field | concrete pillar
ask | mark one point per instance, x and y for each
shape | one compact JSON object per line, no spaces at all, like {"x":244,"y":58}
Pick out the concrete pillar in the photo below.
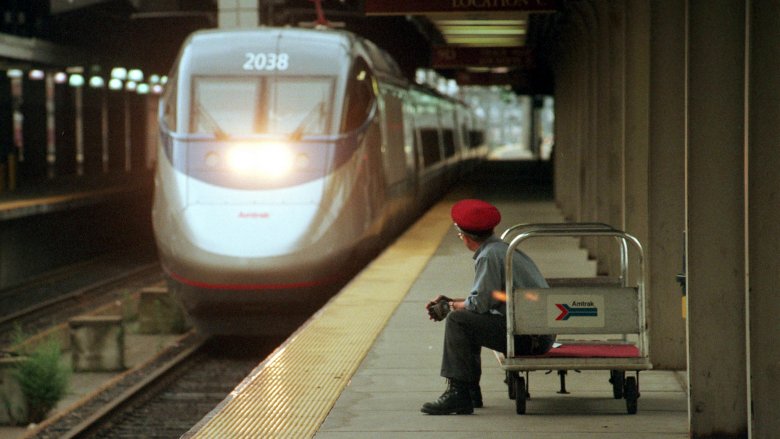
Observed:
{"x":238,"y":13}
{"x":567,"y":128}
{"x":97,"y":343}
{"x":604,"y":158}
{"x":637,"y":120}
{"x":152,"y":103}
{"x":582,"y":84}
{"x":593,"y":157}
{"x":589,"y":163}
{"x":635,"y":216}
{"x":158,"y":313}
{"x":614,"y":192}
{"x":665,"y":164}
{"x":763,"y":218}
{"x":602,"y":142}
{"x":715,"y":211}
{"x":573,"y":112}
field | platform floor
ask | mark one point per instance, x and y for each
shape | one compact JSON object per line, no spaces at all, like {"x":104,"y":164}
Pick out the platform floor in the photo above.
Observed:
{"x":400,"y":372}
{"x":365,"y":364}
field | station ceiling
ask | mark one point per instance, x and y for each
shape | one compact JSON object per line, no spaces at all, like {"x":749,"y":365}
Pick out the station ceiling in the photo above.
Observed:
{"x":485,"y":42}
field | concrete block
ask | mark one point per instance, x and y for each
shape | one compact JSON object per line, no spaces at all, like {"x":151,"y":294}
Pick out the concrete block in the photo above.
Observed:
{"x":13,"y":406}
{"x":159,"y":313}
{"x":97,"y":343}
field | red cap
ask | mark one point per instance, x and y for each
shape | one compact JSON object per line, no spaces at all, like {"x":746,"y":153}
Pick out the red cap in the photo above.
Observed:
{"x":475,"y":216}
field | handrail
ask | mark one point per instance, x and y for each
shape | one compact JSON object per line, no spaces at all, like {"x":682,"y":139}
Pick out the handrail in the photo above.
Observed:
{"x":578,"y":229}
{"x":557,"y":226}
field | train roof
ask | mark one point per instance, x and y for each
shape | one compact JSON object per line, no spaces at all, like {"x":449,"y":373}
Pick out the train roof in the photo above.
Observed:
{"x":325,"y":49}
{"x":320,"y":51}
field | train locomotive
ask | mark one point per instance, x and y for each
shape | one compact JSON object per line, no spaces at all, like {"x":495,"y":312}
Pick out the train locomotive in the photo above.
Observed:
{"x":287,"y":158}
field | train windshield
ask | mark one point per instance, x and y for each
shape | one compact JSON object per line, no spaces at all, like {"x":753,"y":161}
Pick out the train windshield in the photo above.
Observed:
{"x":240,"y":106}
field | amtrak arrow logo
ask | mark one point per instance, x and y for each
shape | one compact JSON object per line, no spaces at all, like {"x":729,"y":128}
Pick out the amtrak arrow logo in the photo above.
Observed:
{"x":576,"y":311}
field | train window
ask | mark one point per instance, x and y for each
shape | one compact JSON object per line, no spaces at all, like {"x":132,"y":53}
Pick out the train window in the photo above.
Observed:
{"x":429,"y":138}
{"x":447,"y":121}
{"x":476,"y":138}
{"x":360,"y":96}
{"x":300,"y":106}
{"x":448,"y":139}
{"x":284,"y":105}
{"x":169,"y":106}
{"x":393,"y":136}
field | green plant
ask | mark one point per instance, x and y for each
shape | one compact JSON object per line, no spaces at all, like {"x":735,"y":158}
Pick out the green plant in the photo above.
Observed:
{"x":43,"y":379}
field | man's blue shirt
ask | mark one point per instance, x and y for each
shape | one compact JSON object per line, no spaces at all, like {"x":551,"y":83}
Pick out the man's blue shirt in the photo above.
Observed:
{"x":489,"y":268}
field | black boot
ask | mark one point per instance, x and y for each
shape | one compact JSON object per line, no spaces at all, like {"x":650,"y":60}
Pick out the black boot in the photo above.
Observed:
{"x":475,"y":392}
{"x":456,"y":399}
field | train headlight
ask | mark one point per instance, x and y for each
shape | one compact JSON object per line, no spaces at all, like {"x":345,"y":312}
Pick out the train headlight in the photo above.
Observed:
{"x":272,"y":159}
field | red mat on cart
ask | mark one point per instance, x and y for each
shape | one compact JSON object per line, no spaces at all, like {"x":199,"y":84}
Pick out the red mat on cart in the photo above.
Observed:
{"x":593,"y":351}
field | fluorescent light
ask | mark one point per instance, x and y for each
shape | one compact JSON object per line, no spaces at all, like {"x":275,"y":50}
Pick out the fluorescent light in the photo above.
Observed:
{"x":97,"y":82}
{"x":76,"y":80}
{"x":36,"y":74}
{"x":119,"y":73}
{"x":487,"y":41}
{"x":135,"y":75}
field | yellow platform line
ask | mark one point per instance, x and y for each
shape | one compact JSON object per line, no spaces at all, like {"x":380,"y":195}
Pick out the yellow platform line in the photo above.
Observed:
{"x":292,"y":392}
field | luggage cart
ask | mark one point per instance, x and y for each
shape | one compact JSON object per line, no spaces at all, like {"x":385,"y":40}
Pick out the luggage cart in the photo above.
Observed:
{"x":576,"y":307}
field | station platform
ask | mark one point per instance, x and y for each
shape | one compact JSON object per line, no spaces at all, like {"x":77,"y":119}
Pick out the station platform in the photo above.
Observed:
{"x":367,"y":361}
{"x":69,"y":192}
{"x":49,"y":225}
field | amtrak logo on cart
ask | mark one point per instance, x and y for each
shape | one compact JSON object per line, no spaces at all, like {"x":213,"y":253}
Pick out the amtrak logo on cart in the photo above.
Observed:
{"x":575,"y":311}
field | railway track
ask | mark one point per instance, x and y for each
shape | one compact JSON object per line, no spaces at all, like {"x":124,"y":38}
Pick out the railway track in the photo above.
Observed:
{"x":52,"y":300}
{"x":166,"y":397}
{"x":162,"y":397}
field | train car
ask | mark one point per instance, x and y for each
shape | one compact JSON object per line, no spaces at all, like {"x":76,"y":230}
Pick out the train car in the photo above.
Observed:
{"x":287,"y":159}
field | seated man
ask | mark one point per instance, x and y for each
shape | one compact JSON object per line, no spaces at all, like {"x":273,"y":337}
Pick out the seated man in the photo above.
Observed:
{"x":480,"y":319}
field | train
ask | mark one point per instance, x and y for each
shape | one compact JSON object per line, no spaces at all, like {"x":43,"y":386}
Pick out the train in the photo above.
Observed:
{"x":287,"y":159}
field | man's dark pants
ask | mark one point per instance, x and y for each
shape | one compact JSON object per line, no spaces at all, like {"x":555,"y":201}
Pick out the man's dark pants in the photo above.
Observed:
{"x":467,"y":332}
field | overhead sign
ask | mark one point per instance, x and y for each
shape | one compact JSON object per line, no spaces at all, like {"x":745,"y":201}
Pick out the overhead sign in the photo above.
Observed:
{"x":412,"y":7}
{"x":60,"y":6}
{"x":485,"y":78}
{"x":515,"y":78}
{"x":445,"y":57}
{"x":521,"y":81}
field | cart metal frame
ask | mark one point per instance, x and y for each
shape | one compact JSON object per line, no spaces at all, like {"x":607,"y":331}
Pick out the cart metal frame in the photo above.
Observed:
{"x":592,"y":308}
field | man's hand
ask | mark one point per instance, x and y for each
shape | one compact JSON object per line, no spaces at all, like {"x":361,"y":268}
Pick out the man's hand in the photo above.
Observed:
{"x":436,"y":300}
{"x":438,"y":308}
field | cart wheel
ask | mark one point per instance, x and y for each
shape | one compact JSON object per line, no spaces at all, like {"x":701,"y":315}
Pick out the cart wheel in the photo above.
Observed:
{"x":520,"y":393}
{"x":631,"y":393}
{"x":617,"y":377}
{"x":510,"y":383}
